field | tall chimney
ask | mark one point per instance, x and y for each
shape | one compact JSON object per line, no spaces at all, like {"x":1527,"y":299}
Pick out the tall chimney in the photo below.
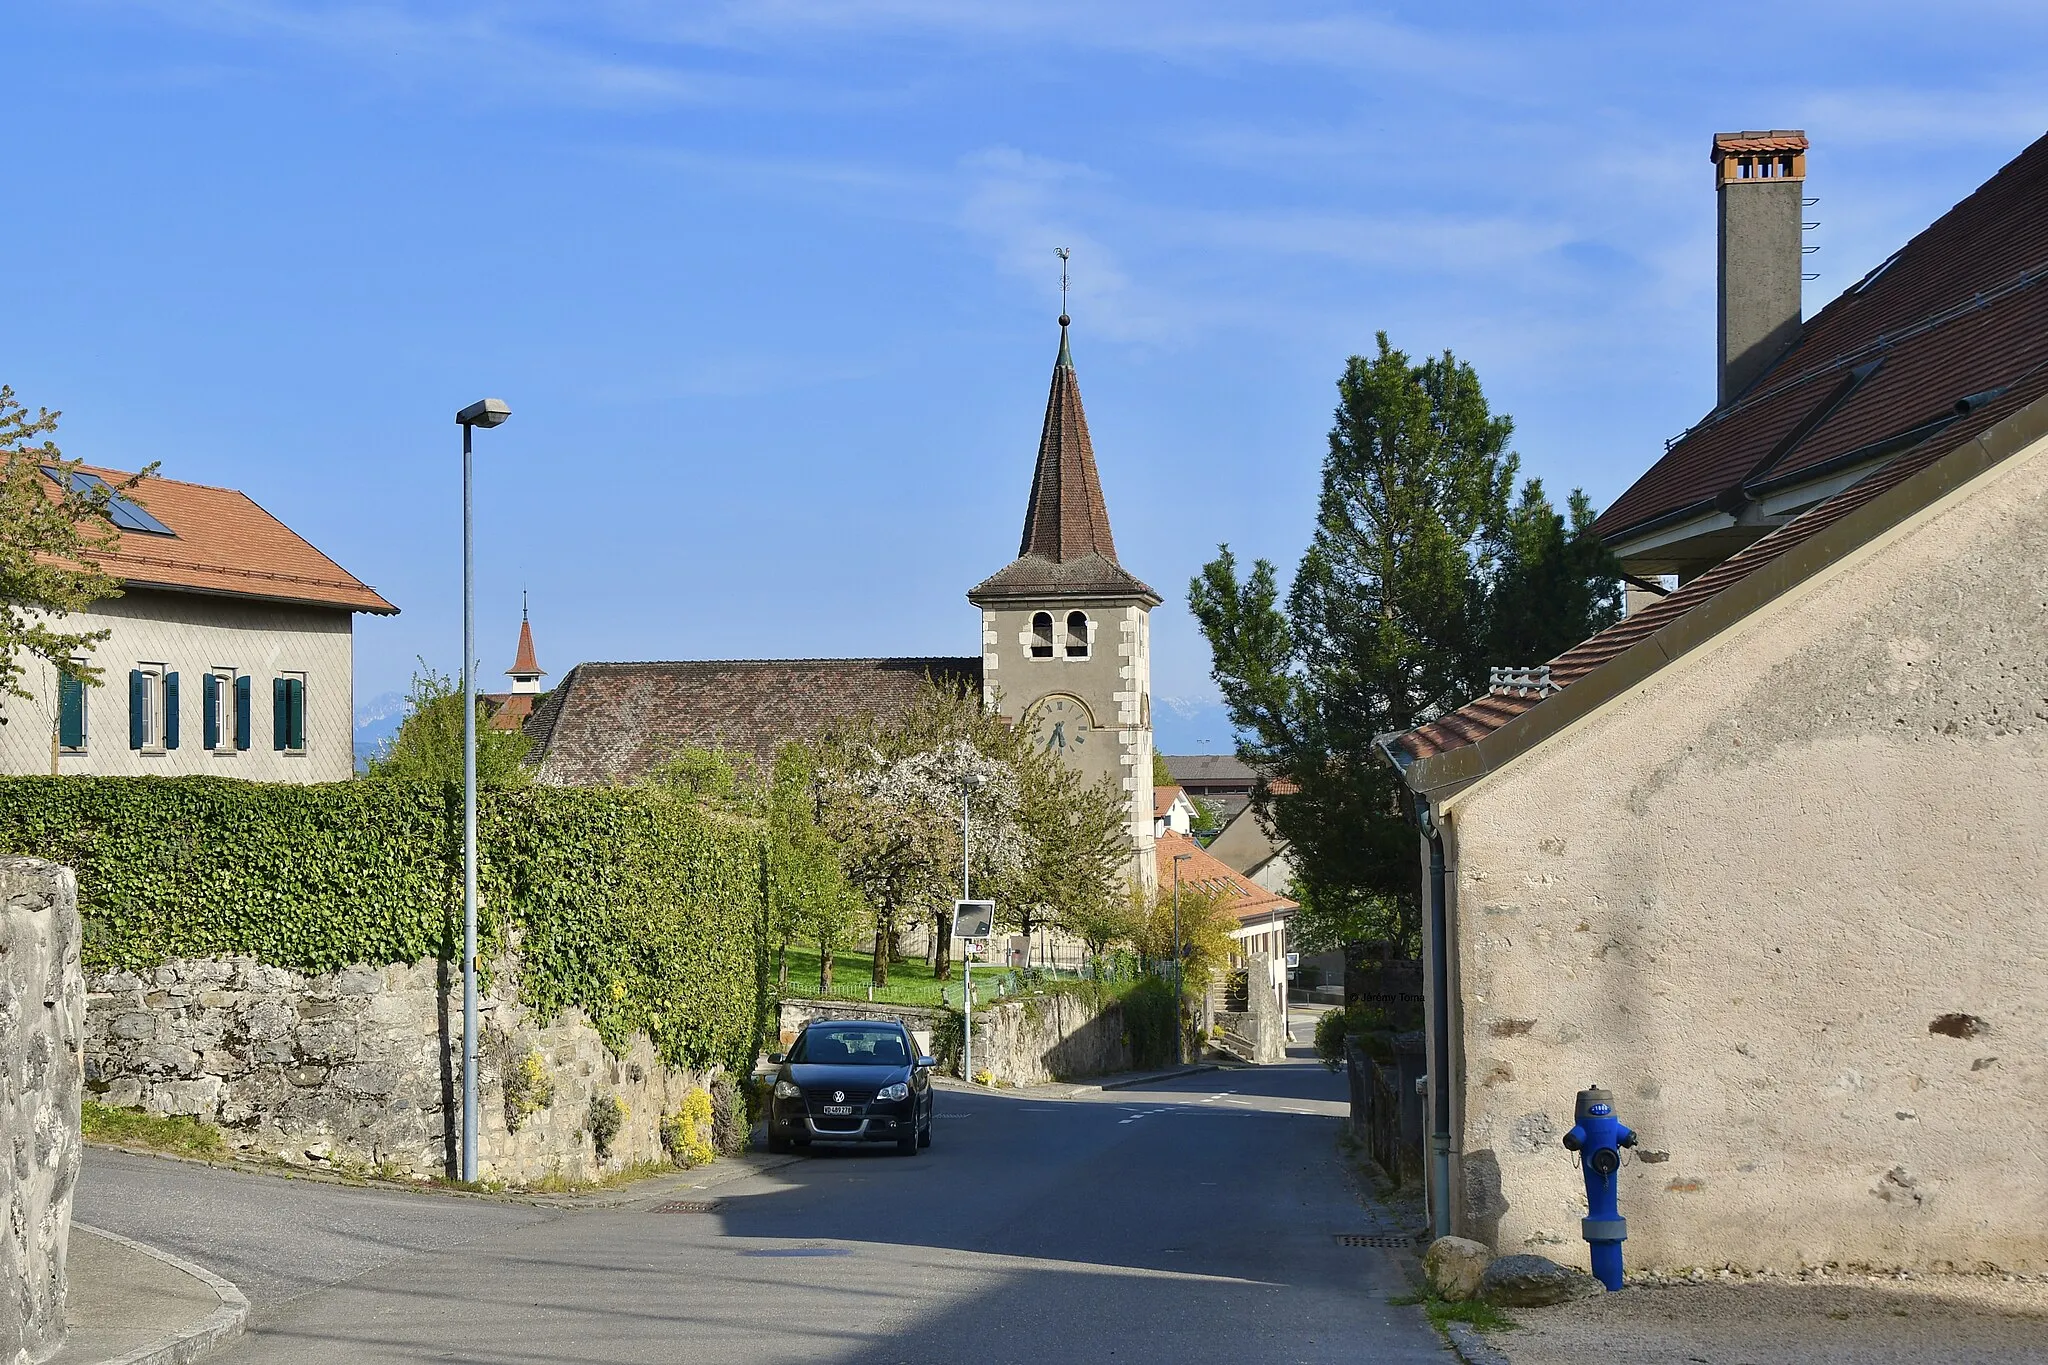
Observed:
{"x":1759,"y":178}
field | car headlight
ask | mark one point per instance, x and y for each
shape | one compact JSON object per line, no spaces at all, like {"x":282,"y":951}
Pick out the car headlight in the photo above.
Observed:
{"x":788,"y":1090}
{"x":898,"y":1091}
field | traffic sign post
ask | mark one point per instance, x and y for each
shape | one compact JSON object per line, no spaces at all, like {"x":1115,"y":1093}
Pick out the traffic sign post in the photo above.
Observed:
{"x":973,"y":922}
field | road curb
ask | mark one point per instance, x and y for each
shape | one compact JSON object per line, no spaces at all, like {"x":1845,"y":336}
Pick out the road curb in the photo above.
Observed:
{"x":224,"y":1323}
{"x":1154,"y":1079}
{"x":1471,"y":1347}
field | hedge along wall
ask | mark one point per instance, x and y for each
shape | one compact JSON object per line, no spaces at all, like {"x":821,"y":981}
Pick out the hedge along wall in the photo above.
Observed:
{"x":642,"y":911}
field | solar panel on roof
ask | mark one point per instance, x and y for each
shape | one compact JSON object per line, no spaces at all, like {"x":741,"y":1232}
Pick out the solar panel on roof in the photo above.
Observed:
{"x":125,"y":513}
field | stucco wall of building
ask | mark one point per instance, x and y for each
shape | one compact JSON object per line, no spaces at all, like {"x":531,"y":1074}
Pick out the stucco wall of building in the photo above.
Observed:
{"x":190,"y":633}
{"x":1788,"y":899}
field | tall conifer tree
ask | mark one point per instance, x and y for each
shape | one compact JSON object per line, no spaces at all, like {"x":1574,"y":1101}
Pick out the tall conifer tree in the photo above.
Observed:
{"x":1419,"y":573}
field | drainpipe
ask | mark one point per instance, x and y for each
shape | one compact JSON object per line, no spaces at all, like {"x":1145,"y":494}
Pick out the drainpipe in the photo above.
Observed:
{"x":1440,"y":1029}
{"x":1439,"y":1022}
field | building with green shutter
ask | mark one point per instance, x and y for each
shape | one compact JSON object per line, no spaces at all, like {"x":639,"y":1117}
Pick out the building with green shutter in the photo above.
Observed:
{"x":230,"y":651}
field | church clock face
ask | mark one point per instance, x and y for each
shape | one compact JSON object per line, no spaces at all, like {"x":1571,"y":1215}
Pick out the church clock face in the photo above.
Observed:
{"x":1061,"y":726}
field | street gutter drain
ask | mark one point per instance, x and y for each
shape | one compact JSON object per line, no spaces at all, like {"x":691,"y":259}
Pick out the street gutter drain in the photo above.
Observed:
{"x":1374,"y":1239}
{"x":689,"y":1206}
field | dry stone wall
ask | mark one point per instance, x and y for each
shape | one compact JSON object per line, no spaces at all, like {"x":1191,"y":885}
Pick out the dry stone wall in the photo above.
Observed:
{"x":42,"y":1019}
{"x":362,"y":1068}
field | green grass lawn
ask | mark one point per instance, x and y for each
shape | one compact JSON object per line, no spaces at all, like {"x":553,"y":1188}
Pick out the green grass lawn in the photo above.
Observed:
{"x":910,"y":983}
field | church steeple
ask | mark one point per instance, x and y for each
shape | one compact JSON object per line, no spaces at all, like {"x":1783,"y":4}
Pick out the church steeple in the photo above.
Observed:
{"x":1067,"y":548}
{"x":1066,"y":517}
{"x":1066,"y":634}
{"x":525,"y":671}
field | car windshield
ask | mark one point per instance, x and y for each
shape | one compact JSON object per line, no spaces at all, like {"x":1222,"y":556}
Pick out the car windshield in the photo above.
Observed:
{"x":843,"y":1045}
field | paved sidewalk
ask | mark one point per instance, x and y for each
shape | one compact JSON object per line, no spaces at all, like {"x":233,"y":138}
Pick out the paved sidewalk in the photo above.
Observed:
{"x":134,"y":1304}
{"x":1837,"y":1320}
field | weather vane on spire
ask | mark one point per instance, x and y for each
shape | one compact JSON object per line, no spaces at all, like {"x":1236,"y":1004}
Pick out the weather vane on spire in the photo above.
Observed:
{"x":1062,"y":253}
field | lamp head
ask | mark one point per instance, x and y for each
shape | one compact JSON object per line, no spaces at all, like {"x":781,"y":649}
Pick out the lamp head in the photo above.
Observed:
{"x":974,"y":782}
{"x":485,"y":412}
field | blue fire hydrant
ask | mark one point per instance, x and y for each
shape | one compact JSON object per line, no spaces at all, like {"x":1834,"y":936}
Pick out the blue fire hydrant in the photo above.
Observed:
{"x":1599,"y":1137}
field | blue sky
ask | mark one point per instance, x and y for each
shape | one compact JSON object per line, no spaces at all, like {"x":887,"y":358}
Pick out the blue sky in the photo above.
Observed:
{"x":770,"y":287}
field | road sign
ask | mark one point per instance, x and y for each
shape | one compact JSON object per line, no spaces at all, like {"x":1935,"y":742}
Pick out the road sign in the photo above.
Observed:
{"x":1293,"y":960}
{"x":974,"y":919}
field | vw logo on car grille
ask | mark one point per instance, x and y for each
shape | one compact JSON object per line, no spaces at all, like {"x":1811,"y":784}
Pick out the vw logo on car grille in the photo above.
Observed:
{"x":839,"y":1097}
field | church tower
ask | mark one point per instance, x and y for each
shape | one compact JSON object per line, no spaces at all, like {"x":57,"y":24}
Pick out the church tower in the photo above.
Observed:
{"x":1066,"y":632}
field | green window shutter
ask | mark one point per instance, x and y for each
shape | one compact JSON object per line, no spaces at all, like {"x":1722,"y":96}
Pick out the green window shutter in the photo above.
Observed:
{"x":170,"y":710}
{"x":296,"y":692}
{"x":280,"y":713}
{"x":138,"y":707}
{"x":242,"y":709}
{"x":209,"y":712}
{"x":70,"y":712}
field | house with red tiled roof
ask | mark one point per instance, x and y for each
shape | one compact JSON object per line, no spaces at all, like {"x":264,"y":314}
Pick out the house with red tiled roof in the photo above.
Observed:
{"x":1765,"y":857}
{"x":230,"y":650}
{"x":1261,"y":915}
{"x":1171,"y":810}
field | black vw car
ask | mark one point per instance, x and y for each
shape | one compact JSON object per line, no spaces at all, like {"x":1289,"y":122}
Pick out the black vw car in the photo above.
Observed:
{"x":851,"y":1080}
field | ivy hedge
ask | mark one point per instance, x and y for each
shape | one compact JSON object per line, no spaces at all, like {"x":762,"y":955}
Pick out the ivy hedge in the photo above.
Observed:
{"x":642,"y":910}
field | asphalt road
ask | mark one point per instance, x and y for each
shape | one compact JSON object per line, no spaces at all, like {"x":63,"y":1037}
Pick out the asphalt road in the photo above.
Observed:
{"x":1191,"y":1220}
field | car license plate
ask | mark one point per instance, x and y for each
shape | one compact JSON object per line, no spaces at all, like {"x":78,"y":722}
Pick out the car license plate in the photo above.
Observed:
{"x":835,"y":1109}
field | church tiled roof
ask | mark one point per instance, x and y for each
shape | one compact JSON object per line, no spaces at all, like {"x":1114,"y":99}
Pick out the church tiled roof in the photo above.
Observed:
{"x":615,"y":722}
{"x":1067,"y":549}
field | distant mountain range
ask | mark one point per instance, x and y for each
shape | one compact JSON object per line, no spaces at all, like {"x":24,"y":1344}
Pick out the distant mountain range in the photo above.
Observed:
{"x":377,"y":719}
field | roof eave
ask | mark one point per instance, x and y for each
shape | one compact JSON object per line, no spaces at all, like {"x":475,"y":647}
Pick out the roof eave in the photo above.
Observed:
{"x":1440,"y":776}
{"x":382,"y":608}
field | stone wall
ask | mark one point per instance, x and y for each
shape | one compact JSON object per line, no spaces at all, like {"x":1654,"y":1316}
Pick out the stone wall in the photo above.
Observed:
{"x":1049,"y":1038}
{"x":42,"y":1022}
{"x":1017,"y":1042}
{"x":362,"y":1068}
{"x":926,"y":1025}
{"x":1787,"y":899}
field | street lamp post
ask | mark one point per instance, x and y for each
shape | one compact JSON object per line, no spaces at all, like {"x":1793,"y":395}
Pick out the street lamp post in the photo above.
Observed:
{"x":485,"y":412}
{"x":1179,"y":1030}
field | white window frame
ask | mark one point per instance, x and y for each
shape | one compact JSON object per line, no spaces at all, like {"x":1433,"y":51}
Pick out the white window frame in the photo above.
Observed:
{"x":1063,"y":631}
{"x":1051,"y":644}
{"x":224,"y":709}
{"x":152,"y":707}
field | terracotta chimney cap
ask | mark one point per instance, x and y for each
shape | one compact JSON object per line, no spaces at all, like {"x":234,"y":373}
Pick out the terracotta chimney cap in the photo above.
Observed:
{"x":1772,"y":140}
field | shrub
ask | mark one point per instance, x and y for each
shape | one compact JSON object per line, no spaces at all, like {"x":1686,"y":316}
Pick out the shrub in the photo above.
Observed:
{"x":1150,"y":1017}
{"x":529,"y":1088}
{"x":606,"y":1117}
{"x":686,"y":1135}
{"x":1353,"y":1021}
{"x":732,"y":1128}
